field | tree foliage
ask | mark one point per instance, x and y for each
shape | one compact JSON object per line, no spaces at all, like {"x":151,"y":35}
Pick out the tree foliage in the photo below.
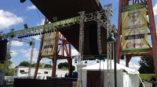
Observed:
{"x":65,"y":65}
{"x":48,"y":66}
{"x":27,"y":64}
{"x":9,"y":69}
{"x":24,"y":63}
{"x":146,"y":64}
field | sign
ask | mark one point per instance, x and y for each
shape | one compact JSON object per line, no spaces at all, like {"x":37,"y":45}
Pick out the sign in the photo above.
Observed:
{"x":134,"y":30}
{"x":47,"y":27}
{"x":47,"y":49}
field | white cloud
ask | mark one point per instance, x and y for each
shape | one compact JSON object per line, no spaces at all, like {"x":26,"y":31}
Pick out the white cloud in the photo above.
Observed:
{"x":8,"y":19}
{"x":155,"y":9}
{"x":28,"y":54}
{"x":32,"y":7}
{"x":41,"y":22}
{"x":17,"y":43}
{"x":136,"y":58}
{"x":38,"y":37}
{"x":13,"y":53}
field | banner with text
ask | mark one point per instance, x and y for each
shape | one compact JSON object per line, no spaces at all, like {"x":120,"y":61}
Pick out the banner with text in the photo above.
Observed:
{"x":134,"y":31}
{"x":49,"y":40}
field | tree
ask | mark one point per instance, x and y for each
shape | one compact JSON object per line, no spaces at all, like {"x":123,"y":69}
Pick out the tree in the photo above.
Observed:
{"x":65,"y":65}
{"x":27,"y":64}
{"x":9,"y":69}
{"x":40,"y":65}
{"x":24,"y":63}
{"x":47,"y":66}
{"x":146,"y":64}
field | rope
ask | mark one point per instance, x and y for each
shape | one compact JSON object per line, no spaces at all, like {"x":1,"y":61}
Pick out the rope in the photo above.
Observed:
{"x":141,"y":80}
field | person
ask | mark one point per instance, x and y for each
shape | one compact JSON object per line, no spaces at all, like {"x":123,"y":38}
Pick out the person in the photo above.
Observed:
{"x":66,"y":76}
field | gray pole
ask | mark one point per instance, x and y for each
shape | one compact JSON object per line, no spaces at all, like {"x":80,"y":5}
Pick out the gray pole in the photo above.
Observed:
{"x":31,"y":57}
{"x":99,"y":24}
{"x":81,"y":46}
{"x":115,"y":66}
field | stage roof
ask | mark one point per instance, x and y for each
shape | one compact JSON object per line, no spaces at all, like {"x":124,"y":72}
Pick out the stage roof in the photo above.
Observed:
{"x":63,"y":9}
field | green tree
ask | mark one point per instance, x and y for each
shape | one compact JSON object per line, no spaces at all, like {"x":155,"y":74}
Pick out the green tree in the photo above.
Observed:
{"x":27,"y":64}
{"x":65,"y":65}
{"x":10,"y":72}
{"x":35,"y":64}
{"x":146,"y":64}
{"x":24,"y":63}
{"x":47,"y":66}
{"x":9,"y":69}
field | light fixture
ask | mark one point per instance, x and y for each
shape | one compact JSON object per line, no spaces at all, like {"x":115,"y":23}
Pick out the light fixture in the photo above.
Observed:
{"x":111,"y":37}
{"x":22,"y":1}
{"x":25,"y":26}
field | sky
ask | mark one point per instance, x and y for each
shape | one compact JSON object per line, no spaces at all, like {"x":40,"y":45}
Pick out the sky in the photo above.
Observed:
{"x":14,"y":14}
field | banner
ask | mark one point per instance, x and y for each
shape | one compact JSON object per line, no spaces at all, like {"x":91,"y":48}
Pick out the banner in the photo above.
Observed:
{"x":134,"y":30}
{"x":46,"y":26}
{"x":49,"y":40}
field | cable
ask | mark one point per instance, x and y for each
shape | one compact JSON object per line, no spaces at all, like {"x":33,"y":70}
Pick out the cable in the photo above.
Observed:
{"x":141,"y":80}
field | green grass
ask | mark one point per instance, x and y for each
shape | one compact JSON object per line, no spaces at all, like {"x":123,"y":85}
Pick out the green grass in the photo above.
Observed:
{"x":146,"y":76}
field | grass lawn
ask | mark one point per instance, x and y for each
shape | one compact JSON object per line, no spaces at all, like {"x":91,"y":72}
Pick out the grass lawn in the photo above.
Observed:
{"x":146,"y":76}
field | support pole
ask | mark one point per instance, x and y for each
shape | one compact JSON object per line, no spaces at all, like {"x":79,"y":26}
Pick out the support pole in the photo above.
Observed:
{"x":54,"y":59}
{"x":70,"y":60}
{"x":99,"y":23}
{"x":31,"y":57}
{"x":115,"y":66}
{"x":39,"y":54}
{"x":81,"y":47}
{"x":37,"y":67}
{"x":118,"y":50}
{"x":54,"y":67}
{"x":70,"y":66}
{"x":128,"y":58}
{"x":153,"y":34}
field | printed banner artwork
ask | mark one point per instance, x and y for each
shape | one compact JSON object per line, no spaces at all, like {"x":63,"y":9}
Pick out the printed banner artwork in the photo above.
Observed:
{"x":46,"y":26}
{"x":49,"y":40}
{"x":134,"y":30}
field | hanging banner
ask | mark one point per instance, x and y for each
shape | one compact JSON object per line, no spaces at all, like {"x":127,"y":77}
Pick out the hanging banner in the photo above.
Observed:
{"x":46,"y":26}
{"x":49,"y":40}
{"x":134,"y":30}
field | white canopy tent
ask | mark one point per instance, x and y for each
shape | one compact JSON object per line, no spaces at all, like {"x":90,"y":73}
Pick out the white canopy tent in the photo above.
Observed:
{"x":126,"y":77}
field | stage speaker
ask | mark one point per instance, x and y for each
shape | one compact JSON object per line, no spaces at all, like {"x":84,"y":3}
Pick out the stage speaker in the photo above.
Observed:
{"x":95,"y":44}
{"x":3,"y":50}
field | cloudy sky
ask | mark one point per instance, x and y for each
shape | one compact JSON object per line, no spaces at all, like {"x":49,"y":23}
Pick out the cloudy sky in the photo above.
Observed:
{"x":13,"y":15}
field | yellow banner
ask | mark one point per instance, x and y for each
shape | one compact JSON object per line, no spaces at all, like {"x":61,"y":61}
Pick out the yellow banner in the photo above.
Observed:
{"x":134,"y":32}
{"x":49,"y":40}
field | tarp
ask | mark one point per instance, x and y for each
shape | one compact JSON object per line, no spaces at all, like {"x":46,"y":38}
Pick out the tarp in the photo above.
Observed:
{"x":126,"y":77}
{"x":105,"y":65}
